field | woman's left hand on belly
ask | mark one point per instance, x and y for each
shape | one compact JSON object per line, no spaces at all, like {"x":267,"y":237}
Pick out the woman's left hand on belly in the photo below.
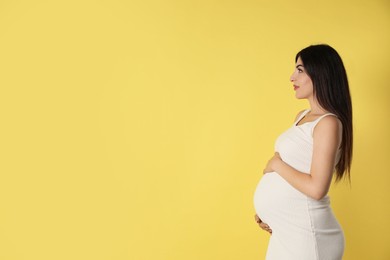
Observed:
{"x":270,"y":165}
{"x":263,"y":225}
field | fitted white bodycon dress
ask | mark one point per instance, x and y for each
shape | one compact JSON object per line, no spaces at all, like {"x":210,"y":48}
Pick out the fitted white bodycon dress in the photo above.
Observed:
{"x":302,"y":228}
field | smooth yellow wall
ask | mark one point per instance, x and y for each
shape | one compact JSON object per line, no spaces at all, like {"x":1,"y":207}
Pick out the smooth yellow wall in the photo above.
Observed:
{"x":139,"y":129}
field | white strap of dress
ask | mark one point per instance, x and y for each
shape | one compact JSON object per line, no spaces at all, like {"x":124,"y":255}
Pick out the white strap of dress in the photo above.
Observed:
{"x":301,"y":116}
{"x":319,"y":119}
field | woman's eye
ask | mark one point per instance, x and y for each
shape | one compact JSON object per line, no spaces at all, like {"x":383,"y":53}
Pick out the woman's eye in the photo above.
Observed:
{"x":300,"y":71}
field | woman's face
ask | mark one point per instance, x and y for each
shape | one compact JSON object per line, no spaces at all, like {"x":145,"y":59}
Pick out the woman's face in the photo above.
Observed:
{"x":303,"y":86}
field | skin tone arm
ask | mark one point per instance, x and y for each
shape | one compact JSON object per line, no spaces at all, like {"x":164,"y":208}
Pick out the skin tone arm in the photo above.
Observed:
{"x":326,"y":140}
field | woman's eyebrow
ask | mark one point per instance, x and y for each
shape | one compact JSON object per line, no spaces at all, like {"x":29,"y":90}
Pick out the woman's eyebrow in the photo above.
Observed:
{"x":299,"y":66}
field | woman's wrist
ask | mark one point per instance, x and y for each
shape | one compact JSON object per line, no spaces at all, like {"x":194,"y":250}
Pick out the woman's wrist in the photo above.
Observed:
{"x":278,"y":164}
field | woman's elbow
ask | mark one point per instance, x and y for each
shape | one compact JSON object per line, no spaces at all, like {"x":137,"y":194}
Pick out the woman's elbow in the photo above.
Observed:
{"x":318,"y":188}
{"x":318,"y":195}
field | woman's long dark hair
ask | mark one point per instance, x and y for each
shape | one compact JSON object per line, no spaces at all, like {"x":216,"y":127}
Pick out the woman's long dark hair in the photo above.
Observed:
{"x":330,"y":86}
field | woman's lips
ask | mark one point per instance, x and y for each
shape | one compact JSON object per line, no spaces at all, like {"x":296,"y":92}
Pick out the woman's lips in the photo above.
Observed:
{"x":295,"y":87}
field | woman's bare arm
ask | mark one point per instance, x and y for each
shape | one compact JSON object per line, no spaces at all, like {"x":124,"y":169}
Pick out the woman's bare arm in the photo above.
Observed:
{"x":326,"y":141}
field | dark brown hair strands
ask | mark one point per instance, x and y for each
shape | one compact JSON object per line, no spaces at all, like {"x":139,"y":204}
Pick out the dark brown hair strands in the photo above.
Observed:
{"x":330,"y":86}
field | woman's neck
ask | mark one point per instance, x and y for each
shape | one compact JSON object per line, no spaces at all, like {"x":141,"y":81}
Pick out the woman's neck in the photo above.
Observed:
{"x":315,"y":108}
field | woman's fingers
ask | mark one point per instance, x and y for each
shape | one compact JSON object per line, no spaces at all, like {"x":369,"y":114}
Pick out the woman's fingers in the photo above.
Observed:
{"x":262,"y":225}
{"x":265,"y":227}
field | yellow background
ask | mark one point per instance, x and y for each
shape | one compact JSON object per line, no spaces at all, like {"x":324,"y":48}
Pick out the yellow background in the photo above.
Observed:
{"x":139,"y":129}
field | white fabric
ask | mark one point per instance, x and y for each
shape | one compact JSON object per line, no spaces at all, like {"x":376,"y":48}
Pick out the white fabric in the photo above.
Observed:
{"x":302,"y":228}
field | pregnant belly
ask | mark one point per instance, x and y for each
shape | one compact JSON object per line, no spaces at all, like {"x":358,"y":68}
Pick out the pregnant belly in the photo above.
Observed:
{"x":294,"y":219}
{"x":277,"y":202}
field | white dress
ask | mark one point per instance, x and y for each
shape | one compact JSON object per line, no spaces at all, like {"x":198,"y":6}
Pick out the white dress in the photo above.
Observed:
{"x":302,"y":228}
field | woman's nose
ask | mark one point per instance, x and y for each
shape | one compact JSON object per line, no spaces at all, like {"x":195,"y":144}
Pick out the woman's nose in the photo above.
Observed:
{"x":292,"y":78}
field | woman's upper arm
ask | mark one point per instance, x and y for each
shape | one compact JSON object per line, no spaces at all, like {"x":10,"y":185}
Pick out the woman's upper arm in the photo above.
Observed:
{"x":326,"y":141}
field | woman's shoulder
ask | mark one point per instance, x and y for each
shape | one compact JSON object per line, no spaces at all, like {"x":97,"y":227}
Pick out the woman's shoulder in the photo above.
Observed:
{"x":328,"y":123}
{"x":328,"y":120}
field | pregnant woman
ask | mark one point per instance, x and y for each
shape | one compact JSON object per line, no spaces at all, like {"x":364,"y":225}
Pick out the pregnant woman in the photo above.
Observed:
{"x":291,"y":199}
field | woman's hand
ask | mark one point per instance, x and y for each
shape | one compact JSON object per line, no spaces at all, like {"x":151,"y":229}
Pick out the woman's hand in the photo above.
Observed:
{"x":270,"y":167}
{"x":262,"y":225}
